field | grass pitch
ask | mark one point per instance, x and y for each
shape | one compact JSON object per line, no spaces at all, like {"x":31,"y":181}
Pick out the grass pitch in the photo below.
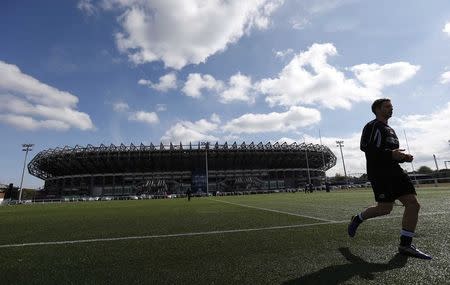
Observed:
{"x":293,"y":238}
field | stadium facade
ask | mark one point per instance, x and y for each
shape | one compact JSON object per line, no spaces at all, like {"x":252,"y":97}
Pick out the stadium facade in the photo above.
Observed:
{"x":170,"y":169}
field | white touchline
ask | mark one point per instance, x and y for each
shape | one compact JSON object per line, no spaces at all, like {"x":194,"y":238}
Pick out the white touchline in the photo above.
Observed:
{"x":275,"y":211}
{"x":163,"y":236}
{"x":200,"y":233}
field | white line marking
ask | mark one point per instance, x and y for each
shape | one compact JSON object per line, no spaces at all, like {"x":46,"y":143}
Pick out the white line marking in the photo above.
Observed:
{"x":162,"y":236}
{"x":275,"y":211}
{"x":200,"y":233}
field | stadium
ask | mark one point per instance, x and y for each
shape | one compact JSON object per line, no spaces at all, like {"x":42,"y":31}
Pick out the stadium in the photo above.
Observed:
{"x":202,"y":168}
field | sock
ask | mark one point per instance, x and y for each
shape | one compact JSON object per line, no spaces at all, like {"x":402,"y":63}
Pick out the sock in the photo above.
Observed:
{"x":406,"y":237}
{"x":358,"y":218}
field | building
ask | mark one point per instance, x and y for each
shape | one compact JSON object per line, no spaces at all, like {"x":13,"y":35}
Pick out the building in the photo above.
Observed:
{"x":148,"y":169}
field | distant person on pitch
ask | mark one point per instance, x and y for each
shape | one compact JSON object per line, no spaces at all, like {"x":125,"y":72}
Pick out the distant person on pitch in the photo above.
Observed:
{"x":188,"y":194}
{"x":389,"y":182}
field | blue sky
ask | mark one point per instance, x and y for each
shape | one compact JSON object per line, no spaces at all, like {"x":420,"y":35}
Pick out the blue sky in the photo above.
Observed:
{"x":131,"y":71}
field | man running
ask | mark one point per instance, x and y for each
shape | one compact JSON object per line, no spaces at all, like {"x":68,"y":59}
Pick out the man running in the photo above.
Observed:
{"x":389,"y":182}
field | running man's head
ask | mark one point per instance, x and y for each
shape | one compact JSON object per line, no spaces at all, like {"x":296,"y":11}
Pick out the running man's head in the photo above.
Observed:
{"x":382,"y":108}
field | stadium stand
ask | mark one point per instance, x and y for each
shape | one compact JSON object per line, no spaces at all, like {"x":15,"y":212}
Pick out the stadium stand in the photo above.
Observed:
{"x":99,"y":171}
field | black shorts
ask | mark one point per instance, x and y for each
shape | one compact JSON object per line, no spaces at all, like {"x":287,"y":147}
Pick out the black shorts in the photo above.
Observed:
{"x":389,"y":188}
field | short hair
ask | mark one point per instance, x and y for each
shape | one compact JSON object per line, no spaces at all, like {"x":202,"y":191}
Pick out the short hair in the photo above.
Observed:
{"x":377,"y":104}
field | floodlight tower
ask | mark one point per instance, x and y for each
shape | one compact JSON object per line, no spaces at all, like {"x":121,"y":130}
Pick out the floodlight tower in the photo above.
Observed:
{"x":25,"y":147}
{"x":340,"y":144}
{"x":435,"y":162}
{"x":323,"y":158}
{"x":445,"y":162}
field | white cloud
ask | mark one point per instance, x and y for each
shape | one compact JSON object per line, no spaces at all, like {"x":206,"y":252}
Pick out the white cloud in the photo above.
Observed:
{"x":186,"y":131}
{"x":87,"y":7}
{"x":230,"y":138}
{"x":145,"y":82}
{"x":139,"y":116}
{"x":355,"y":161}
{"x":239,"y":89}
{"x":215,"y":118}
{"x":120,"y":107}
{"x":166,"y":82}
{"x":284,"y":139}
{"x":377,"y":77}
{"x":145,"y":117}
{"x":184,"y":32}
{"x":427,"y":134}
{"x":447,"y":28}
{"x":294,"y":118}
{"x":354,"y":158}
{"x":299,"y":24}
{"x":322,"y":6}
{"x":283,"y":53}
{"x":445,"y":77}
{"x":309,"y":79}
{"x":307,"y":10}
{"x":70,"y":117}
{"x":14,"y":81}
{"x":28,"y":123}
{"x":196,"y":82}
{"x":36,"y":105}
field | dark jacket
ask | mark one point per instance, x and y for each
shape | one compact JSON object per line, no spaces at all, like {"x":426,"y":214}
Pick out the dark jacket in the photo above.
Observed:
{"x":377,"y":142}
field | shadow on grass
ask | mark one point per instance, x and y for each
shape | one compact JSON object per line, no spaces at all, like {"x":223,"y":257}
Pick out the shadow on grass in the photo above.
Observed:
{"x":338,"y":274}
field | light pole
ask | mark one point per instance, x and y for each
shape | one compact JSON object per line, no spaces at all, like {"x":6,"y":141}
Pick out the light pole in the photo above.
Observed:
{"x":340,"y":144}
{"x":323,"y":159}
{"x":412,"y":164}
{"x":445,"y":162}
{"x":26,"y":148}
{"x":437,"y":171}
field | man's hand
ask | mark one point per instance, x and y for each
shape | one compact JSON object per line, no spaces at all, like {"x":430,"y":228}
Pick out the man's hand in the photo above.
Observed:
{"x":398,"y":155}
{"x":408,"y":158}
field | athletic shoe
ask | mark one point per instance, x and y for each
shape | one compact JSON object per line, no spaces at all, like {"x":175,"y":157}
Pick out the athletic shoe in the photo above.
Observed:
{"x":413,"y":251}
{"x":354,"y":223}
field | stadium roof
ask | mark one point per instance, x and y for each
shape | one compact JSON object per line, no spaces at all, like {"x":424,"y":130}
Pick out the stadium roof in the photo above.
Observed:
{"x":90,"y":159}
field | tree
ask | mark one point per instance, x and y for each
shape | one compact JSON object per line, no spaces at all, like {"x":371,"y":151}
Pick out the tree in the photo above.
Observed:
{"x":424,"y":170}
{"x":338,"y":177}
{"x":364,"y":177}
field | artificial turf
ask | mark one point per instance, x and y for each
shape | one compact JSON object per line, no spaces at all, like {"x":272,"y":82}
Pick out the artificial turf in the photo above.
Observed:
{"x":262,"y":253}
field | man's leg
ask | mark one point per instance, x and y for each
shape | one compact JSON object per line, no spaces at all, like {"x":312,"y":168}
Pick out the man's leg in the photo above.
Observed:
{"x":381,"y":209}
{"x":409,"y":222}
{"x":411,"y":213}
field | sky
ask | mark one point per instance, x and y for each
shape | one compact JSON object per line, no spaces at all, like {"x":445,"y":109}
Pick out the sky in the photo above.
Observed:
{"x":133,"y":71}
